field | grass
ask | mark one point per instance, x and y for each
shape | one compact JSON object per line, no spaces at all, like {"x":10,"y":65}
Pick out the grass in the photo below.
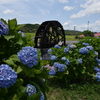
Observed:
{"x":89,"y":91}
{"x":68,"y":37}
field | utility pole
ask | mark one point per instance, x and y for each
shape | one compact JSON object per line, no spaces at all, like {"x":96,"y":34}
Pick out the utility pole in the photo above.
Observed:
{"x":88,"y":26}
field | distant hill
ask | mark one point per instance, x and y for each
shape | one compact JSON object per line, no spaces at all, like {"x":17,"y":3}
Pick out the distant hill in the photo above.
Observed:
{"x":32,"y":28}
{"x":28,"y":28}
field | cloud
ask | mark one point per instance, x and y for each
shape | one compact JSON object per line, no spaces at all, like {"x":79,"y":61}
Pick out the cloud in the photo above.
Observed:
{"x":63,"y":1}
{"x":68,"y":8}
{"x":44,"y":11}
{"x":8,"y":11}
{"x":90,"y":7}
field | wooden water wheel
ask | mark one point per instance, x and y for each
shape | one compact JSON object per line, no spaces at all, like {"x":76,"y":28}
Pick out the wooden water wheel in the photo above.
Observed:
{"x":48,"y":34}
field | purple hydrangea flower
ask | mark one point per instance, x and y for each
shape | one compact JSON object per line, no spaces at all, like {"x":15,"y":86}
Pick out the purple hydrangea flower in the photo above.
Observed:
{"x":86,"y":44}
{"x":67,"y":62}
{"x":3,"y":28}
{"x":30,"y":90}
{"x":7,"y":76}
{"x":28,"y":56}
{"x":66,"y":50}
{"x":63,"y":58}
{"x":89,"y":47}
{"x":57,"y":46}
{"x":42,"y":96}
{"x":53,"y":58}
{"x":83,"y":50}
{"x":52,"y":71}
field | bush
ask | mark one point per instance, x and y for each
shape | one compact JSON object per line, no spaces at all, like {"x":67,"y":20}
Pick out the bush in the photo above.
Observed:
{"x":74,"y":62}
{"x":21,"y":74}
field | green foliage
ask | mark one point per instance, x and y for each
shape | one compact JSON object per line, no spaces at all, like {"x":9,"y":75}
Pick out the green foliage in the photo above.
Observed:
{"x":13,"y":42}
{"x":87,"y":33}
{"x":10,"y":45}
{"x":75,"y":71}
{"x":28,"y":28}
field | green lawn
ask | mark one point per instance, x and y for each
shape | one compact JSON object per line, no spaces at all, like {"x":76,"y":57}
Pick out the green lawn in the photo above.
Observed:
{"x":89,"y":91}
{"x":68,"y":37}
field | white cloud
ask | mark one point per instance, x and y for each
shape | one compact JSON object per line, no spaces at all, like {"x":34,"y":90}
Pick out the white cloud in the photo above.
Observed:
{"x":63,"y":1}
{"x":90,"y":7}
{"x":8,"y":11}
{"x":44,"y":11}
{"x":68,"y":8}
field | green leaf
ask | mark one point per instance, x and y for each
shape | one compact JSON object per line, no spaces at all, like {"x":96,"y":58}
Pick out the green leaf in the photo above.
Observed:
{"x":12,"y":24}
{"x":10,"y":62}
{"x":8,"y":37}
{"x":20,"y":41}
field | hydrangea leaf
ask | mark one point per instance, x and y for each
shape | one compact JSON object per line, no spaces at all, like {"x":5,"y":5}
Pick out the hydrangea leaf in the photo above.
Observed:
{"x":9,"y":37}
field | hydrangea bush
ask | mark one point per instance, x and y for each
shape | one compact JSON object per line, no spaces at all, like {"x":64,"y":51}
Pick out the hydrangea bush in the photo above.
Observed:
{"x":74,"y":62}
{"x":21,"y":74}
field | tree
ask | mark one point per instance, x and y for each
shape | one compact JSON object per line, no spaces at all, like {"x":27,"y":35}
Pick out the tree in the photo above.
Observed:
{"x":87,"y":33}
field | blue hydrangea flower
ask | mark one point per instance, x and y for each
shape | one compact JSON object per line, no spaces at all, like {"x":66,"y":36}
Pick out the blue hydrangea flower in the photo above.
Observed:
{"x":42,"y":96}
{"x":49,"y":50}
{"x":3,"y":28}
{"x":97,"y":76}
{"x":96,"y":53}
{"x":52,"y":71}
{"x":79,"y":61}
{"x":53,"y":58}
{"x":68,"y":46}
{"x":7,"y":76}
{"x":57,"y":46}
{"x":22,"y":33}
{"x":98,"y":60}
{"x":89,"y":47}
{"x":56,"y":64}
{"x":83,"y":50}
{"x":97,"y":69}
{"x":85,"y":43}
{"x":28,"y":56}
{"x":61,"y":67}
{"x":67,"y":62}
{"x":30,"y":90}
{"x":63,"y":58}
{"x":66,"y":50}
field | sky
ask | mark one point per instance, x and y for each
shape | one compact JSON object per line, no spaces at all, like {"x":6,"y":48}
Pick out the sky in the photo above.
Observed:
{"x":72,"y":14}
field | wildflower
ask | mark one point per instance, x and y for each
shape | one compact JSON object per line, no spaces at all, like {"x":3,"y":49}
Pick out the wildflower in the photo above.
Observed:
{"x":42,"y":96}
{"x":7,"y":76}
{"x":53,"y":58}
{"x":79,"y":61}
{"x":67,"y":62}
{"x":63,"y":58}
{"x":85,"y":43}
{"x":89,"y":47}
{"x":52,"y":71}
{"x":28,"y":56}
{"x":83,"y":50}
{"x":57,"y":46}
{"x":66,"y":50}
{"x":30,"y":90}
{"x":3,"y":28}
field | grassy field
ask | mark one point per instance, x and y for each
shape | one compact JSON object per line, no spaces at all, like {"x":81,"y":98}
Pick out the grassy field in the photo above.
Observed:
{"x":89,"y":91}
{"x":68,"y":37}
